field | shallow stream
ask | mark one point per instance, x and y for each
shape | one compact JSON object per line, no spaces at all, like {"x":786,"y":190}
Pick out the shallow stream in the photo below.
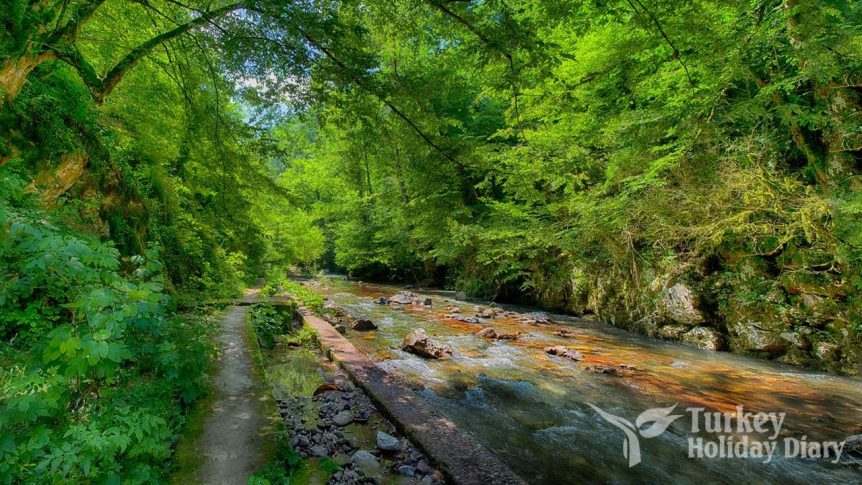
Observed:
{"x":534,"y":411}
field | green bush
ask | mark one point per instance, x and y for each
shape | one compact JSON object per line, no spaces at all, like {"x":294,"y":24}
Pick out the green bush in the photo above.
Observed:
{"x":95,"y":371}
{"x":271,"y":321}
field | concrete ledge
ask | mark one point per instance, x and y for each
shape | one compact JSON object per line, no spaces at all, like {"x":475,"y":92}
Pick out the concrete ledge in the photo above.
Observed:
{"x":462,"y":459}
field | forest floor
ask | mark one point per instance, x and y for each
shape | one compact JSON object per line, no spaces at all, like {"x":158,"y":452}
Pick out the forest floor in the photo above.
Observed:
{"x":235,"y":438}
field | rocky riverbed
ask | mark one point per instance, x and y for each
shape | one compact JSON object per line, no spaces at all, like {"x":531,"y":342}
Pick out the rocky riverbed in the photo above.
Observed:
{"x":529,"y":398}
{"x":328,"y":418}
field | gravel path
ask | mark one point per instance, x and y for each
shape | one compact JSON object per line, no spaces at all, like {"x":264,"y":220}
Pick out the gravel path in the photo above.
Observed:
{"x":232,"y":442}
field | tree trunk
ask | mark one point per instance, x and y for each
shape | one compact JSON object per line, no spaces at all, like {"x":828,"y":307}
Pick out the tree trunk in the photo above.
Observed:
{"x":14,"y":72}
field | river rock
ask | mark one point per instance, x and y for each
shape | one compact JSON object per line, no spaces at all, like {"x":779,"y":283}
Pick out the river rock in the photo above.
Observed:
{"x":417,"y":342}
{"x":826,"y":351}
{"x":535,"y":318}
{"x":343,"y":418}
{"x":704,"y":338}
{"x":679,"y":304}
{"x":491,"y":333}
{"x":672,"y":332}
{"x":382,"y":301}
{"x":564,"y":352}
{"x":387,"y":442}
{"x":461,"y":318}
{"x":428,"y":302}
{"x":366,"y":462}
{"x":341,"y":329}
{"x":318,"y":451}
{"x":453,"y":309}
{"x":796,"y":339}
{"x":487,"y":313}
{"x":406,"y":470}
{"x":565,"y":333}
{"x":852,"y":453}
{"x":621,"y":370}
{"x":752,"y":336}
{"x":403,"y":298}
{"x":363,"y":325}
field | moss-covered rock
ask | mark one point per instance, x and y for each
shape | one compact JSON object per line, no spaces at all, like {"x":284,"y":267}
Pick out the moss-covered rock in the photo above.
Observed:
{"x":704,"y":338}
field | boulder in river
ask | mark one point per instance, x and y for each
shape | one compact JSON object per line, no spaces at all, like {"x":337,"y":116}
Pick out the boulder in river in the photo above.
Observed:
{"x":565,"y":333}
{"x":417,"y":342}
{"x":565,"y":352}
{"x":852,"y":454}
{"x":363,"y":325}
{"x":428,"y":301}
{"x":382,"y":301}
{"x":341,"y":329}
{"x":491,"y":333}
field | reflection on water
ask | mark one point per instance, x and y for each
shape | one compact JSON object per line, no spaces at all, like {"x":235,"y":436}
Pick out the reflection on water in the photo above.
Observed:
{"x":531,"y":408}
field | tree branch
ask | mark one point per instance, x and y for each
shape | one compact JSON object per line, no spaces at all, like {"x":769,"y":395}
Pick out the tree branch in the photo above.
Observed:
{"x":101,"y":87}
{"x":359,"y":82}
{"x":654,"y":19}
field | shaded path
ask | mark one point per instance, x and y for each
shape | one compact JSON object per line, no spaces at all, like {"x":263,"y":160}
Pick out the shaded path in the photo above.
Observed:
{"x":232,"y":444}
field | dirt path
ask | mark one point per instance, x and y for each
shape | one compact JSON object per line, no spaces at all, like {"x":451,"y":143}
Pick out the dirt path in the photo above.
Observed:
{"x":233,"y":440}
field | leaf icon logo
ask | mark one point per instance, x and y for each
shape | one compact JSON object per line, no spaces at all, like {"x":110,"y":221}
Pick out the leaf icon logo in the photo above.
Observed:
{"x":649,"y":424}
{"x":660,"y":419}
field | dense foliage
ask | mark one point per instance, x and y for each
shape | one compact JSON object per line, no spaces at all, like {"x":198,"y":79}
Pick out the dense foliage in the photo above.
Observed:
{"x":119,"y":205}
{"x":95,"y":370}
{"x":591,"y":156}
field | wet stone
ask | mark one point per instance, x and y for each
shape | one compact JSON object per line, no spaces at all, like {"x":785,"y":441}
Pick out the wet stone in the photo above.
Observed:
{"x":564,"y":352}
{"x":387,"y":442}
{"x":319,"y":451}
{"x":366,"y":462}
{"x":343,"y":418}
{"x":363,"y":325}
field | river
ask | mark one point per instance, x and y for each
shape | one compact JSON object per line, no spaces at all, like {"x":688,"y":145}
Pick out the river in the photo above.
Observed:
{"x":536,"y":411}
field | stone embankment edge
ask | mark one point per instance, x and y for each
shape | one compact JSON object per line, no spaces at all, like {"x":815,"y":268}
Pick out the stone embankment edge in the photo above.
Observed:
{"x":459,"y":455}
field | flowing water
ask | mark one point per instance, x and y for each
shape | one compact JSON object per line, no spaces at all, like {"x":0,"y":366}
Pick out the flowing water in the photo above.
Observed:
{"x":534,"y":409}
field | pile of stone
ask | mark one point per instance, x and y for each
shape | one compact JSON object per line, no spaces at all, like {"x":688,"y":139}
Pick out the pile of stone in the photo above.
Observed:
{"x":325,"y":433}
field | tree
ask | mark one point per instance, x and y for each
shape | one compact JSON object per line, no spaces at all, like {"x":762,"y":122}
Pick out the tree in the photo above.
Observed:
{"x":46,"y":31}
